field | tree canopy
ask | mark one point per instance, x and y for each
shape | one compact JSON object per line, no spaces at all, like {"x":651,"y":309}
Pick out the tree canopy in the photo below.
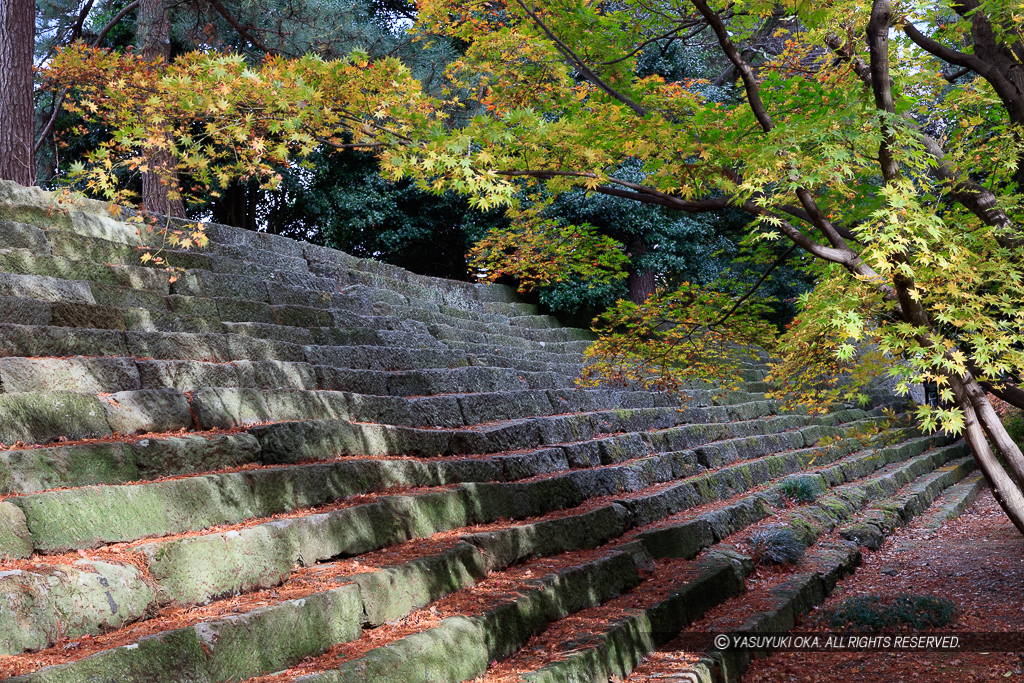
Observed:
{"x":881,"y":143}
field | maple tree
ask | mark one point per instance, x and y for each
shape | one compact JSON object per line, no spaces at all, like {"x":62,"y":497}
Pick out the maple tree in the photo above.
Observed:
{"x":882,"y":142}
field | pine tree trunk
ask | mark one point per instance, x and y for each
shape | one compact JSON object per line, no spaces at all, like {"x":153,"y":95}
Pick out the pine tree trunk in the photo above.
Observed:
{"x":17,"y":108}
{"x":159,"y":185}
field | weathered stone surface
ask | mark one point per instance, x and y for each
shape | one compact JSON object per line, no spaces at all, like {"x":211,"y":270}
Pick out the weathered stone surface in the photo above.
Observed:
{"x":80,"y":375}
{"x":38,"y":340}
{"x":293,"y":335}
{"x":126,"y":297}
{"x":187,"y":375}
{"x":167,"y":656}
{"x":192,"y":453}
{"x":25,"y":311}
{"x":45,"y":288}
{"x":295,"y":404}
{"x":35,"y":469}
{"x":178,"y":346}
{"x":272,"y":638}
{"x":92,"y":516}
{"x":308,"y":440}
{"x":22,"y":236}
{"x":15,"y":540}
{"x":240,"y":310}
{"x":147,"y":410}
{"x":71,"y":601}
{"x":42,"y":418}
{"x":578,"y":532}
{"x":394,"y":592}
{"x":93,"y":316}
{"x":227,"y":408}
{"x":681,"y":540}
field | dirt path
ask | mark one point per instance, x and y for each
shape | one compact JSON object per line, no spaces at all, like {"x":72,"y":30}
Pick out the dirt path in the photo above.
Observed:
{"x":977,"y":561}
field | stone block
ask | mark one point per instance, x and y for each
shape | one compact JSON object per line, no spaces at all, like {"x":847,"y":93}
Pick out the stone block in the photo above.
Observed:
{"x":193,"y":570}
{"x":296,"y":404}
{"x":15,"y":539}
{"x":71,"y":314}
{"x":42,"y":418}
{"x":292,"y":335}
{"x":45,"y":288}
{"x":178,"y":346}
{"x":242,"y":310}
{"x":272,"y":638}
{"x":186,"y":375}
{"x":191,"y":453}
{"x":80,"y":375}
{"x":25,"y":311}
{"x":147,"y":410}
{"x":87,"y":598}
{"x":227,"y":408}
{"x":123,"y":297}
{"x":35,"y":469}
{"x":22,"y":236}
{"x":290,"y":442}
{"x":241,"y":347}
{"x":273,"y":374}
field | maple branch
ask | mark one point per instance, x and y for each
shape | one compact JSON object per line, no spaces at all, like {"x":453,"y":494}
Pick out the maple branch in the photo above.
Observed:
{"x":76,"y":29}
{"x":947,"y":54}
{"x":663,"y":36}
{"x":976,"y":198}
{"x":45,"y":132}
{"x":113,"y":22}
{"x":746,"y":73}
{"x":354,"y":145}
{"x":778,"y":262}
{"x":881,"y":83}
{"x":586,"y":71}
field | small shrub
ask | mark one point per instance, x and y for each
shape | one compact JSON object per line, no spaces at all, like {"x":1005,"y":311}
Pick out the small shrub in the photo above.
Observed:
{"x":1014,"y":424}
{"x":800,"y":489}
{"x":777,"y":545}
{"x":875,"y":613}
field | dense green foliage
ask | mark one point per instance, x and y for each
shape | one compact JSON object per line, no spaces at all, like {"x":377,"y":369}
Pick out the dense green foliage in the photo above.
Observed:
{"x":876,"y":613}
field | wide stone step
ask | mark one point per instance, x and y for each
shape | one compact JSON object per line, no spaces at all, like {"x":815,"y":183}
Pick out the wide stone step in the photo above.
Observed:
{"x":79,"y":518}
{"x":557,"y":535}
{"x":823,"y":566}
{"x":27,"y":470}
{"x":613,"y":648}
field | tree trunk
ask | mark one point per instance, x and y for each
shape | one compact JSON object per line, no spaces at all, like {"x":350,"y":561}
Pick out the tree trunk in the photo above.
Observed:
{"x":1006,"y":491}
{"x":17,"y":107}
{"x":639,"y":283}
{"x":160,"y":188}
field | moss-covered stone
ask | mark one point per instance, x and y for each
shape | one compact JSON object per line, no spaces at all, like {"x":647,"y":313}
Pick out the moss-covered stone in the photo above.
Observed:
{"x":15,"y":540}
{"x":42,"y":418}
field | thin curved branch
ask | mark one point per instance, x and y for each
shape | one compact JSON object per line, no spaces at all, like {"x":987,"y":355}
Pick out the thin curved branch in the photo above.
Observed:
{"x":746,"y":73}
{"x":946,"y":54}
{"x":663,"y":36}
{"x":585,"y":70}
{"x":113,"y":22}
{"x":778,"y":262}
{"x":242,"y":30}
{"x":976,"y":198}
{"x":45,"y":132}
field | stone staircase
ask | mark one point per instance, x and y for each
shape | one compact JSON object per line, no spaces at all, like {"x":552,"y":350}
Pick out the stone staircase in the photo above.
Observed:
{"x":286,"y":459}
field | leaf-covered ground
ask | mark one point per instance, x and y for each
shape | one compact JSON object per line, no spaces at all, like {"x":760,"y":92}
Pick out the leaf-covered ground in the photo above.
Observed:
{"x":977,"y":561}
